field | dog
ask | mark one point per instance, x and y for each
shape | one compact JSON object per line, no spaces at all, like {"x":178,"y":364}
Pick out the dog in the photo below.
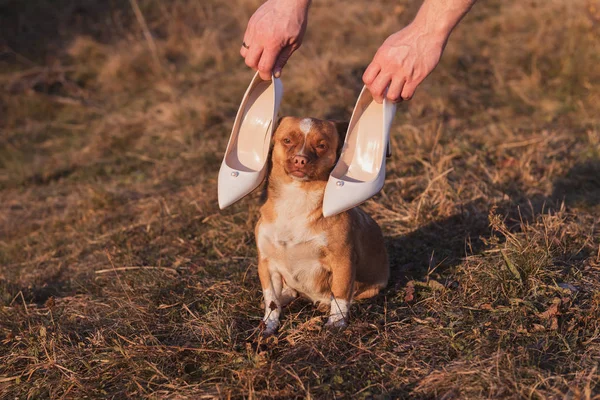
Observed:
{"x":330,"y":261}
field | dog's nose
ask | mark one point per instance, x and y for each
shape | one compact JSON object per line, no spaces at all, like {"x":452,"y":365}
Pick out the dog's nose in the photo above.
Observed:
{"x":300,"y":161}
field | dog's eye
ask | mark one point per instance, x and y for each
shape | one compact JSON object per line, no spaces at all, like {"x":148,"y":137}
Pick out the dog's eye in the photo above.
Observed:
{"x":287,"y":141}
{"x":321,"y":146}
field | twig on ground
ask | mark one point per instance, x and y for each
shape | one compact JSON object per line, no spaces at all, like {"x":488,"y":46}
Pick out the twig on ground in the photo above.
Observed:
{"x":103,"y":271}
{"x":142,"y":21}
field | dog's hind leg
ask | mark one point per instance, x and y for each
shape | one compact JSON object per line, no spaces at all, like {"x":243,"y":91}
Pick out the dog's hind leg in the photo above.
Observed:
{"x":365,"y":291}
{"x":342,"y":283}
{"x":287,"y":295}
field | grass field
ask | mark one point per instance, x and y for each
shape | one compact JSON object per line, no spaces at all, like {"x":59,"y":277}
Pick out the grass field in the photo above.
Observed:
{"x":120,"y":278}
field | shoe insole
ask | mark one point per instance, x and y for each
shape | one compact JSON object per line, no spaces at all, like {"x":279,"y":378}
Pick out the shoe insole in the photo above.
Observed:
{"x":365,"y":149}
{"x":250,"y":147}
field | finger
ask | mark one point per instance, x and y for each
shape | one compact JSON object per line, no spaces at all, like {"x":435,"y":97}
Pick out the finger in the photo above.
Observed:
{"x":378,"y":87}
{"x":282,"y":59}
{"x":408,"y":91}
{"x":253,"y":57}
{"x":247,"y":40}
{"x":371,"y":73}
{"x":266,"y":63}
{"x":395,"y":90}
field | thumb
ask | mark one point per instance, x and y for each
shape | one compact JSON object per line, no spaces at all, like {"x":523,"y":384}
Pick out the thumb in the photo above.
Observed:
{"x":282,"y":59}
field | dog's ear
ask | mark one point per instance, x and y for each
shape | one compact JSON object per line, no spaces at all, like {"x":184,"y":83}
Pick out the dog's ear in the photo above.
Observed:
{"x":341,"y":127}
{"x":279,"y":121}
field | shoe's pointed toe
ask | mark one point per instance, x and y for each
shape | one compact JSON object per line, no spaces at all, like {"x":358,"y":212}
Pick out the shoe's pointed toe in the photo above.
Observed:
{"x":245,"y":162}
{"x":234,"y":184}
{"x":342,"y":195}
{"x":360,"y":171}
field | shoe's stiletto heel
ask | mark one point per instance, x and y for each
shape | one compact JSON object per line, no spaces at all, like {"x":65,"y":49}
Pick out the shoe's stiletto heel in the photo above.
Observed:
{"x":388,"y":153}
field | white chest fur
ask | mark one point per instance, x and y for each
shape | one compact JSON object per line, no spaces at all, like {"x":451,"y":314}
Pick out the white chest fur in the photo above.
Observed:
{"x":289,"y":244}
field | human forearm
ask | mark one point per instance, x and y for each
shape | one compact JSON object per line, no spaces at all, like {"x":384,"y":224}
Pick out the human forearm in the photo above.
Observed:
{"x":304,"y":3}
{"x":439,"y":17}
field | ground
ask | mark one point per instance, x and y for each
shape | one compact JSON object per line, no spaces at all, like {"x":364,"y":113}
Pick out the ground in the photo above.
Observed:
{"x":120,"y":277}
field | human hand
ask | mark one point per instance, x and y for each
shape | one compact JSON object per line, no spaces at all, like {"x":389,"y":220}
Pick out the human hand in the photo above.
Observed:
{"x":274,"y":32}
{"x":402,"y":62}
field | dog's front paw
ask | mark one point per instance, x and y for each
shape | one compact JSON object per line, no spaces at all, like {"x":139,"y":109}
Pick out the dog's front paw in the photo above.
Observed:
{"x":269,"y":327}
{"x":336,"y":324}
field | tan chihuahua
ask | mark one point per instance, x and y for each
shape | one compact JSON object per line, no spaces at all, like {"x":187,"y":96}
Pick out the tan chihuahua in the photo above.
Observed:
{"x":330,"y":261}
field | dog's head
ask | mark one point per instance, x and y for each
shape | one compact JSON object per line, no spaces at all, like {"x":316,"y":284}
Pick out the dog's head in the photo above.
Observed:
{"x":306,"y":149}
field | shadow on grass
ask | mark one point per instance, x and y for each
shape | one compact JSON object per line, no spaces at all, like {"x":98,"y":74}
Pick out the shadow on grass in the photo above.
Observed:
{"x":580,"y":186}
{"x":441,"y":245}
{"x":34,"y":31}
{"x":55,"y":284}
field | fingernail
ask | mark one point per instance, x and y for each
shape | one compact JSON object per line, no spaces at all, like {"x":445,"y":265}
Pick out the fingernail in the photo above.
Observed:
{"x":277,"y":73}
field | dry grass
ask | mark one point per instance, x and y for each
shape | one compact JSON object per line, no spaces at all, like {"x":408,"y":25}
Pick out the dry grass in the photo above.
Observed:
{"x":120,"y":278}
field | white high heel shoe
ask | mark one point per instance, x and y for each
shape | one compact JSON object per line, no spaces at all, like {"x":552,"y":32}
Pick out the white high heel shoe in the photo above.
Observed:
{"x":360,"y":172}
{"x":245,"y":162}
